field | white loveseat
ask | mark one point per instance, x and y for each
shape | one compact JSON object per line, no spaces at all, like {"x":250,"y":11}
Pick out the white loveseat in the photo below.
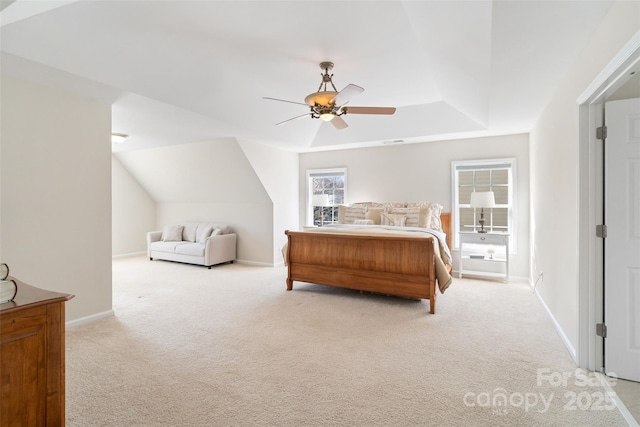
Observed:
{"x":202,"y":243}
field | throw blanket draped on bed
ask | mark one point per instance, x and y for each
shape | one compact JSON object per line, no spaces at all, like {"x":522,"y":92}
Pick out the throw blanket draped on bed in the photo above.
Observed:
{"x":443,"y":254}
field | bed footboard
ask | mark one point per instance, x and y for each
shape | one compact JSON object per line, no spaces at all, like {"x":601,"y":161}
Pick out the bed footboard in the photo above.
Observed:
{"x":391,"y":265}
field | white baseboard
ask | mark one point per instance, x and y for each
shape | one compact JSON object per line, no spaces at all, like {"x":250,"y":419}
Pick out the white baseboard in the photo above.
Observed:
{"x":129,"y":255}
{"x":454,"y":274}
{"x":259,"y":264}
{"x":89,"y":319}
{"x":556,"y":325}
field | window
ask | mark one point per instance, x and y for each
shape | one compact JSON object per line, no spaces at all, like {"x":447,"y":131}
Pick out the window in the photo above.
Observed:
{"x":484,"y":175}
{"x":326,"y":189}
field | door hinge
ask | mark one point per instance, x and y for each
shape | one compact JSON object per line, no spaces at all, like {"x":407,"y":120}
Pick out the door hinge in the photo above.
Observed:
{"x":601,"y":132}
{"x":601,"y":330}
{"x":601,"y":231}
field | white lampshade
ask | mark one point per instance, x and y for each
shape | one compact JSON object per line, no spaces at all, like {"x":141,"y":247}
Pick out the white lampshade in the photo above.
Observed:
{"x":482,"y":199}
{"x":321,"y":200}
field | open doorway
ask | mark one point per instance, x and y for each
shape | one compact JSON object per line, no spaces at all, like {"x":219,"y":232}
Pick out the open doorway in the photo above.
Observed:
{"x":619,"y":80}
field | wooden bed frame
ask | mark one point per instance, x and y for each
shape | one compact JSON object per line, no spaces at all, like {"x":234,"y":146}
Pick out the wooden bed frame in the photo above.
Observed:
{"x":391,"y":265}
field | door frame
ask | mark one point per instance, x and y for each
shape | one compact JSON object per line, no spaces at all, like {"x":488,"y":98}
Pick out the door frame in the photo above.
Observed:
{"x":590,"y":347}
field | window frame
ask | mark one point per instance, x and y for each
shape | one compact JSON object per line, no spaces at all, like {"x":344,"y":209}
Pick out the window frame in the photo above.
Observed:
{"x":486,"y":164}
{"x":311,"y":173}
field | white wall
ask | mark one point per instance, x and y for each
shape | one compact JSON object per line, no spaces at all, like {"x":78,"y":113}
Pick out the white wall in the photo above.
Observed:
{"x":554,"y":160}
{"x":134,"y":212}
{"x":208,"y":181}
{"x":56,"y":193}
{"x":415,"y":172}
{"x":277,"y":169}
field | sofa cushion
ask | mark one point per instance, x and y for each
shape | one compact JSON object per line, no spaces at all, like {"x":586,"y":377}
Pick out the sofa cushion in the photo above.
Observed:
{"x":169,"y":247}
{"x":172,"y":233}
{"x":189,"y":232}
{"x":202,"y":237}
{"x":193,"y":249}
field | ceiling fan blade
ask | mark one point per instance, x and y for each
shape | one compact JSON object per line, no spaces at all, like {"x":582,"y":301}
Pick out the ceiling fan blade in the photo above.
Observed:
{"x":284,"y":100}
{"x":369,"y":110}
{"x":346,"y":94}
{"x":339,"y":123}
{"x":293,"y":118}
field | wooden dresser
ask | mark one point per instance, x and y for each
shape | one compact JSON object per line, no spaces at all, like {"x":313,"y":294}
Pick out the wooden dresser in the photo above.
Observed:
{"x":32,"y":351}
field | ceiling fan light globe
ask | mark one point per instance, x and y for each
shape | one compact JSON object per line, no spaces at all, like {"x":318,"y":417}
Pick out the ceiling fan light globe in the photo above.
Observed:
{"x":320,"y":98}
{"x":327,"y":117}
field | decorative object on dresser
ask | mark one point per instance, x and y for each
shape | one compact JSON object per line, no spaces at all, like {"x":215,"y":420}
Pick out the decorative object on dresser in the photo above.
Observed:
{"x":32,"y":353}
{"x":482,"y":199}
{"x":411,"y":261}
{"x":8,"y":287}
{"x":201,"y":243}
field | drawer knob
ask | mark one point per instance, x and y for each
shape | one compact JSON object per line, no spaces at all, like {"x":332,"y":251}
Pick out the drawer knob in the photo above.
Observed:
{"x":482,"y":238}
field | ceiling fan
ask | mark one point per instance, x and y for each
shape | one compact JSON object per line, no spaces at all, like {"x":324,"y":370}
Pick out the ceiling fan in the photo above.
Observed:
{"x":329,"y":105}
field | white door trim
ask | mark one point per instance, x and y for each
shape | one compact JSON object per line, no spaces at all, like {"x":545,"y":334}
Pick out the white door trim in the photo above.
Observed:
{"x":590,"y":272}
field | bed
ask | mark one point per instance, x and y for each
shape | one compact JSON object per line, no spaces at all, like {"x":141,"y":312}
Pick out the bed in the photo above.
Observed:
{"x":399,"y":261}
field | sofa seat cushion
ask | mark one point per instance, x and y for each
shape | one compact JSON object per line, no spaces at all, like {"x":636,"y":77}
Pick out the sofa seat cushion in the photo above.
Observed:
{"x":169,"y":247}
{"x":193,"y":249}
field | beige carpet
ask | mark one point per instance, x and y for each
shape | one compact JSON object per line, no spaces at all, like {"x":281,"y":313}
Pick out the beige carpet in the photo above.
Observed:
{"x":231,"y":347}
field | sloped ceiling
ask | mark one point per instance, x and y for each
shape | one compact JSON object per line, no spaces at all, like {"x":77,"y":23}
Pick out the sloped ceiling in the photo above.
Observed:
{"x":184,"y":71}
{"x":203,"y":172}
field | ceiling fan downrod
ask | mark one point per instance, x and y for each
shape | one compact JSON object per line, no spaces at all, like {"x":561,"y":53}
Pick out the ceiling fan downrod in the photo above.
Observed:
{"x":326,"y":77}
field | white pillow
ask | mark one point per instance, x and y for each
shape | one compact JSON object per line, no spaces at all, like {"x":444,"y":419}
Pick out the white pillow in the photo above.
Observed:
{"x":426,"y":213}
{"x":413,"y":215}
{"x":205,"y":234}
{"x":393,"y":219}
{"x":373,"y":213}
{"x":172,"y":233}
{"x":189,"y":232}
{"x":348,"y":214}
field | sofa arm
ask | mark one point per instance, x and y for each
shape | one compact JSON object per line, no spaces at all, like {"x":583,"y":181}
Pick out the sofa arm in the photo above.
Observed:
{"x":152,"y":236}
{"x":220,"y":248}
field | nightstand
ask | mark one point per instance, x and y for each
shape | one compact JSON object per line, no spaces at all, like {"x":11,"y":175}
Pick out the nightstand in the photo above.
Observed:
{"x":484,"y":254}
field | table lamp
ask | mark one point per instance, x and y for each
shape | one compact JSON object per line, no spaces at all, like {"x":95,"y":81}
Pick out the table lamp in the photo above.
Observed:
{"x":321,"y":200}
{"x":482,"y":199}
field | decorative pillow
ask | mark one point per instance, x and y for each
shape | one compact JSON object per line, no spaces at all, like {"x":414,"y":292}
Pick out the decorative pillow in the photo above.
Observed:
{"x":205,"y":234}
{"x":189,"y":232}
{"x":395,"y":205}
{"x":172,"y":233}
{"x":393,"y":219}
{"x":425,"y":217}
{"x":373,"y":214}
{"x":435,"y":224}
{"x":436,"y":210}
{"x":216,"y":231}
{"x":413,"y":215}
{"x":348,"y":214}
{"x":364,"y":222}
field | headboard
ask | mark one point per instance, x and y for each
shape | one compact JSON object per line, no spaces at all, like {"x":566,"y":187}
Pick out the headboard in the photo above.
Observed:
{"x":445,"y":219}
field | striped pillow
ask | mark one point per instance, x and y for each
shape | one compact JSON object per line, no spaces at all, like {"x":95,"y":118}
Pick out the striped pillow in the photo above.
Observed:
{"x":393,"y":219}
